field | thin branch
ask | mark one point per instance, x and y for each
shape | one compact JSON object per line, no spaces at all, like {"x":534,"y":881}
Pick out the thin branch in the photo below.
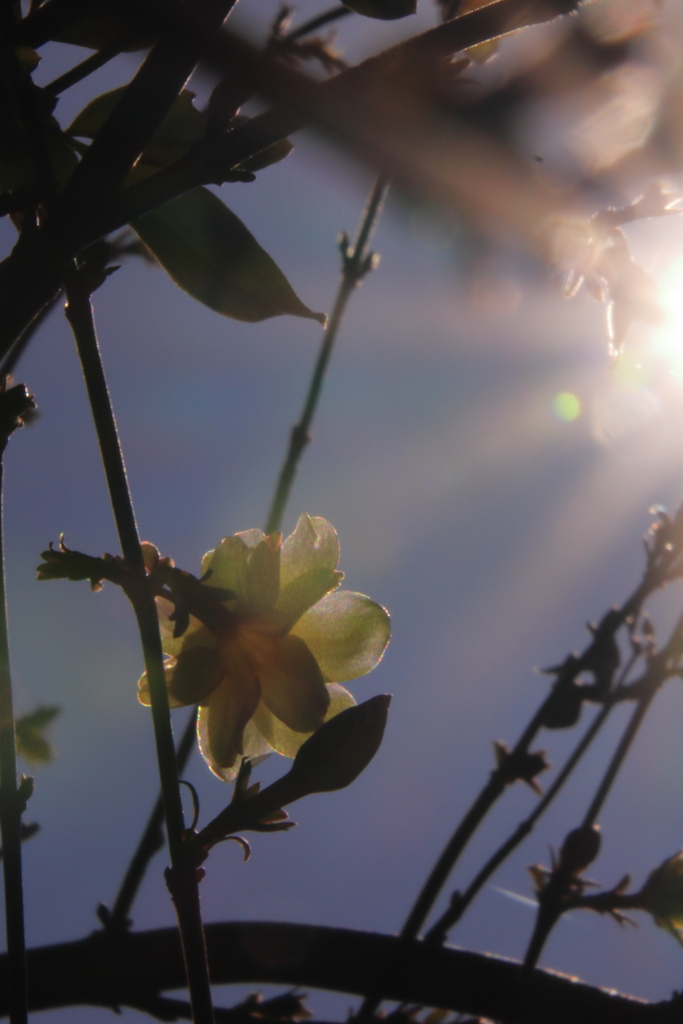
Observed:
{"x":151,"y":841}
{"x":86,"y":67}
{"x":460,"y":901}
{"x":113,"y":971}
{"x":13,"y":796}
{"x":11,"y":360}
{"x":334,"y":14}
{"x":565,"y":879}
{"x":356,"y":263}
{"x":182,"y":880}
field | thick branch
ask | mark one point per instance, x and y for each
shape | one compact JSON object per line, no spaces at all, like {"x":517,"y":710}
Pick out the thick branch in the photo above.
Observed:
{"x":106,"y":970}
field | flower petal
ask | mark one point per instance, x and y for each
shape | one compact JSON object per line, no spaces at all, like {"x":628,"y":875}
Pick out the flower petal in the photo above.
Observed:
{"x":313,"y":545}
{"x":283,"y":739}
{"x":263,"y":574}
{"x":228,"y":562}
{"x":221,"y":723}
{"x":304,"y":591}
{"x":143,"y":687}
{"x":196,"y":635}
{"x":292,"y":686}
{"x":346,"y":632}
{"x":196,"y":673}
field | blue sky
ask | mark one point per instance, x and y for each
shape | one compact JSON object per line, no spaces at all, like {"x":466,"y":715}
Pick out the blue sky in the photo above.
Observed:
{"x":490,"y":528}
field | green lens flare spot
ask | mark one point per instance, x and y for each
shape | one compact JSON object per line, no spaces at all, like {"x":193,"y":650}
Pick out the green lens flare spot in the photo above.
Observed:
{"x":566,"y":406}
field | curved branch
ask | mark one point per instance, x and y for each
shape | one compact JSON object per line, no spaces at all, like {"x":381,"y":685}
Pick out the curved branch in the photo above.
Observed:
{"x":124,"y":970}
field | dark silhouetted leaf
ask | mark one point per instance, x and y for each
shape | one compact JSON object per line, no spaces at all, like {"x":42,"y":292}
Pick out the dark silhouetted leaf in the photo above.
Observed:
{"x":182,"y":127}
{"x":210,"y":254}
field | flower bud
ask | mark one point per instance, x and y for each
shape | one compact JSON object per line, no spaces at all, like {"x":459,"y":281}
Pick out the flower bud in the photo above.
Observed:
{"x":662,"y":894}
{"x":580,"y":848}
{"x":338,"y":752}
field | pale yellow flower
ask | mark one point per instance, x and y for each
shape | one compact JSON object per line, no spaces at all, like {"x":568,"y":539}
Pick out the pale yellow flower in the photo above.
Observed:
{"x":266,"y":674}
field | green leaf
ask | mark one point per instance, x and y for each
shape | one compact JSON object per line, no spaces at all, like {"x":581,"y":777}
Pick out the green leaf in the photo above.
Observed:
{"x":386,"y":10}
{"x":30,"y":733}
{"x":182,"y":127}
{"x":210,"y":254}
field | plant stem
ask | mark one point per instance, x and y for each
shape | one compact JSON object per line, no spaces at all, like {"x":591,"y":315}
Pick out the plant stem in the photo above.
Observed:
{"x":552,"y":898}
{"x":334,"y":14}
{"x":463,"y":833}
{"x":182,"y":879}
{"x":10,"y":817}
{"x":151,"y":841}
{"x":86,"y":67}
{"x":356,"y":263}
{"x":459,"y":903}
{"x":10,"y":361}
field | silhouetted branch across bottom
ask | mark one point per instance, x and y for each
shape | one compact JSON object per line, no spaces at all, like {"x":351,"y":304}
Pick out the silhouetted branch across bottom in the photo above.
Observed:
{"x":131,"y":969}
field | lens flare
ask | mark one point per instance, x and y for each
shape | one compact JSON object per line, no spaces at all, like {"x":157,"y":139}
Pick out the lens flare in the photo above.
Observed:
{"x":566,"y":406}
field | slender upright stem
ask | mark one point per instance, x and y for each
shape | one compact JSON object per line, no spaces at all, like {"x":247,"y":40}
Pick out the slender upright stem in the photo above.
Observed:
{"x":183,"y":882}
{"x":86,"y":67}
{"x":463,"y":833}
{"x":356,"y":262}
{"x":334,"y":14}
{"x":9,"y":363}
{"x":552,"y":899}
{"x":151,"y":841}
{"x":459,"y":903}
{"x":620,"y":753}
{"x":10,"y":816}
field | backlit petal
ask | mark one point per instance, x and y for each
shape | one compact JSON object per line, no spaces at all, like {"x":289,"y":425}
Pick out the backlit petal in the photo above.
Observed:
{"x":313,"y":545}
{"x":346,"y":632}
{"x":263,"y":574}
{"x":143,"y":687}
{"x":196,"y":635}
{"x":283,"y":739}
{"x":292,"y":685}
{"x":227,"y":566}
{"x":221,"y":723}
{"x":306,"y":590}
{"x":196,"y":673}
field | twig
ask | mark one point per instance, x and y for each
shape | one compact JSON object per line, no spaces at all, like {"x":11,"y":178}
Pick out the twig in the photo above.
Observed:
{"x":13,"y":404}
{"x":356,"y":263}
{"x":553,"y":899}
{"x":334,"y":14}
{"x":17,"y":350}
{"x":182,"y":879}
{"x":151,"y":841}
{"x":460,"y":902}
{"x":86,"y":67}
